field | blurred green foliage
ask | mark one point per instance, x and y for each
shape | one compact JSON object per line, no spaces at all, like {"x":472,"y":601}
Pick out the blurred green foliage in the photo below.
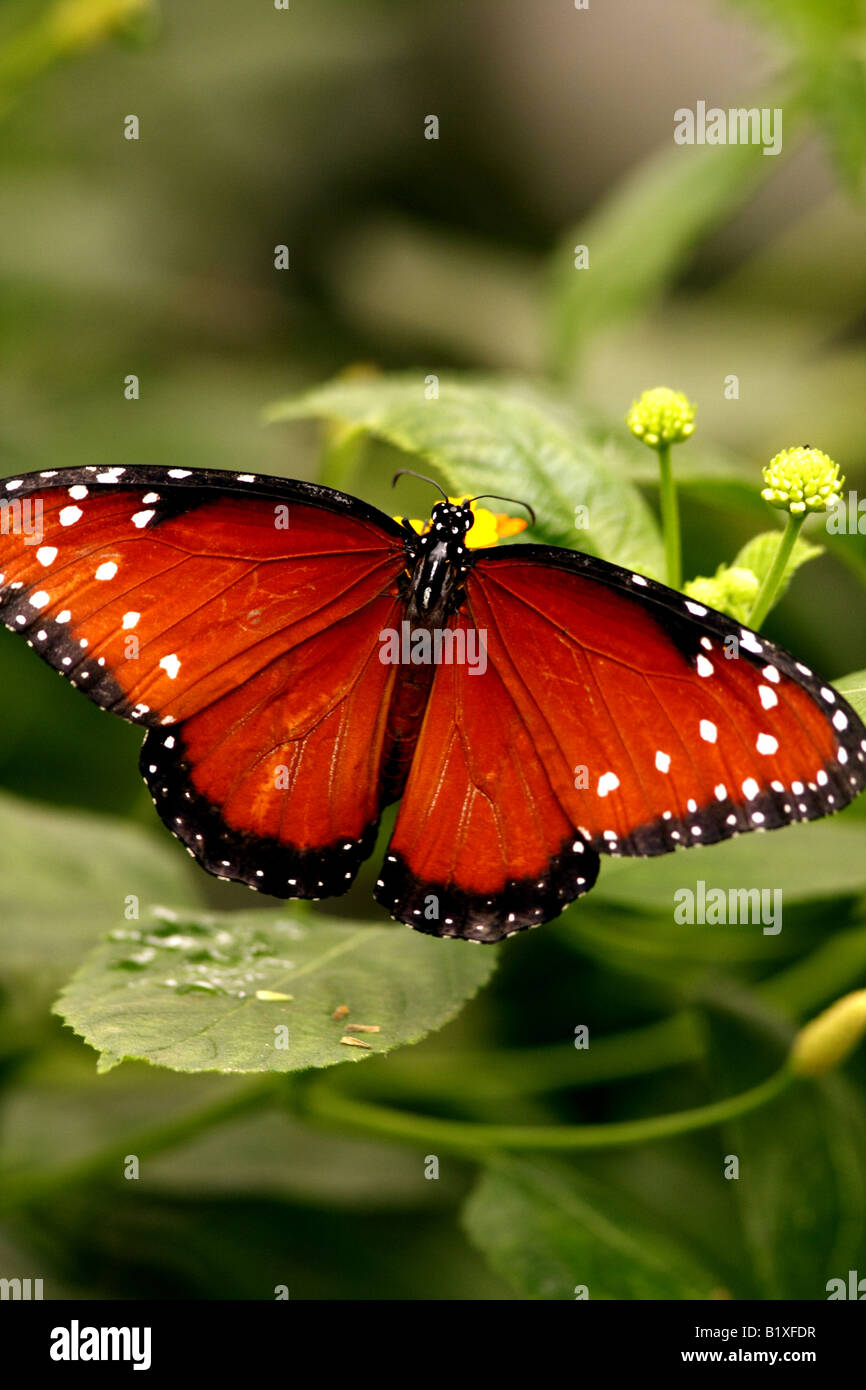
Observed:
{"x":156,"y":257}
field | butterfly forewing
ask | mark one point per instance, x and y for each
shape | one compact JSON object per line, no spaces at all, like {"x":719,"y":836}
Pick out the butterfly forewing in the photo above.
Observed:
{"x":239,"y":621}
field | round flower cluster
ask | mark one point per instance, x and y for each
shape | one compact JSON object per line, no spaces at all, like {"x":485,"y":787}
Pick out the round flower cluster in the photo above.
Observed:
{"x":662,"y":417}
{"x":732,"y":589}
{"x":802,"y":480}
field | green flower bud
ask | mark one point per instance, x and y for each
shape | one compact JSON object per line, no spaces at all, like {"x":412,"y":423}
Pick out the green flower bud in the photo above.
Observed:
{"x":731,"y":589}
{"x":662,"y":417}
{"x":802,"y":480}
{"x":831,"y":1037}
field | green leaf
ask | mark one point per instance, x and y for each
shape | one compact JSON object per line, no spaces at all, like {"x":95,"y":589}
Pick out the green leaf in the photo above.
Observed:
{"x":853,"y":687}
{"x":734,"y":588}
{"x":549,"y":1229}
{"x":179,"y":990}
{"x":809,"y":863}
{"x":641,"y":237}
{"x":801,"y":1184}
{"x":65,"y":878}
{"x":501,"y":438}
{"x":827,"y":45}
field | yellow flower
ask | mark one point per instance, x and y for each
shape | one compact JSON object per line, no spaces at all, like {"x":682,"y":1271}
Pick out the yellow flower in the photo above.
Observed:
{"x":802,"y":480}
{"x":661,"y":417}
{"x":486,"y":529}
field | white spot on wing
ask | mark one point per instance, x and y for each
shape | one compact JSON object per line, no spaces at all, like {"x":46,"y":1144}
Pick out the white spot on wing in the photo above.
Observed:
{"x":107,"y":570}
{"x":46,"y":555}
{"x":69,"y":515}
{"x":171,"y":665}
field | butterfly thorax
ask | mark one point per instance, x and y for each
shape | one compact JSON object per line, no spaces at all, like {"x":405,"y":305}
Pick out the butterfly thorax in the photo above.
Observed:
{"x":437,"y":564}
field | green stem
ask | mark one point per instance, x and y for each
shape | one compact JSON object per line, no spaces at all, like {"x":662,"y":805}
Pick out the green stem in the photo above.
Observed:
{"x":19,"y":1189}
{"x":325,"y":1102}
{"x":472,"y":1076}
{"x":670,"y":519}
{"x":773,"y":577}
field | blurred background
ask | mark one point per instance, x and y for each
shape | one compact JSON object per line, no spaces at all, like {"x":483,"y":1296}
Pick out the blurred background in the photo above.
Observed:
{"x":305,"y":127}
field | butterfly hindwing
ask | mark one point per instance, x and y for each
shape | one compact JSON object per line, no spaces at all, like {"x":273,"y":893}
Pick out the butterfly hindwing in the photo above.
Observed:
{"x":278,"y":784}
{"x":482,"y":846}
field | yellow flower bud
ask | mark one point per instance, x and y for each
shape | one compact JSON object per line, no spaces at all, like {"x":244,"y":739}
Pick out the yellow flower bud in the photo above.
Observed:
{"x":827,"y":1040}
{"x":77,"y":24}
{"x":732,"y":589}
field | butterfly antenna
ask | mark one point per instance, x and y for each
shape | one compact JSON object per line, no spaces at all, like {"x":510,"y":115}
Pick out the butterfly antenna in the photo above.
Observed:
{"x":494,"y":497}
{"x":401,"y":472}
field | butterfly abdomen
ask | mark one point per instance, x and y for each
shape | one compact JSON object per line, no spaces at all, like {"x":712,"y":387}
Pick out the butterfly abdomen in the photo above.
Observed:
{"x":408,"y":703}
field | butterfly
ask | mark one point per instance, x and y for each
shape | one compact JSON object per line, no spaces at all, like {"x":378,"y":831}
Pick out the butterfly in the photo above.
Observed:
{"x":299,"y":660}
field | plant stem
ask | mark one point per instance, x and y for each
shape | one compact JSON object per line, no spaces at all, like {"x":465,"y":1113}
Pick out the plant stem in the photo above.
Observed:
{"x":773,"y":578}
{"x":670,"y":519}
{"x":471,"y":1076}
{"x":324,"y":1101}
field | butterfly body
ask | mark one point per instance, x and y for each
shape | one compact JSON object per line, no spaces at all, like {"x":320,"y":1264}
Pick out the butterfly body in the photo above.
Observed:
{"x":556,"y":709}
{"x":439,"y":561}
